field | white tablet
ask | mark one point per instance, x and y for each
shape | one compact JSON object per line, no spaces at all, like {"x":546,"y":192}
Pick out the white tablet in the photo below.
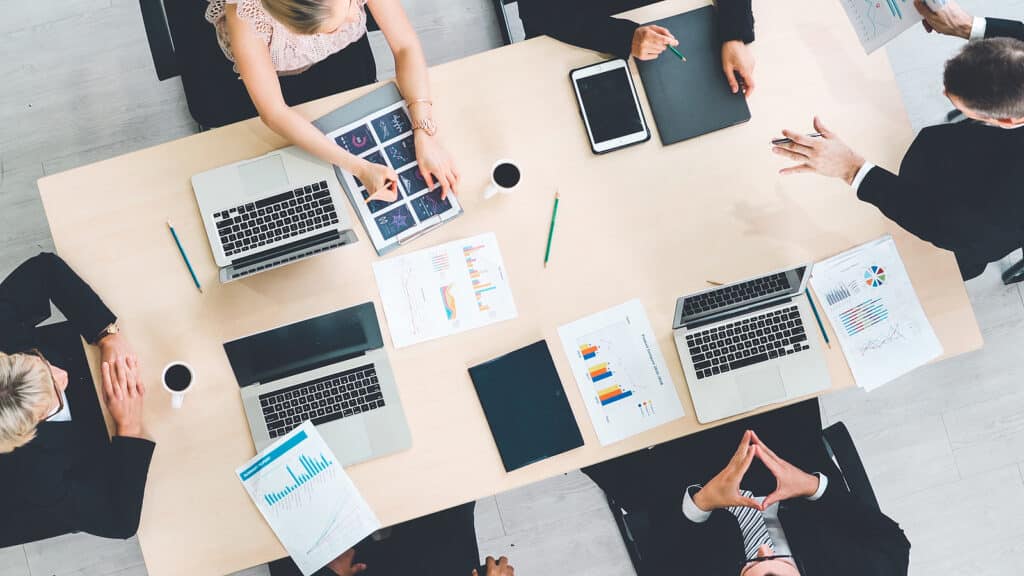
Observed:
{"x":609,"y":105}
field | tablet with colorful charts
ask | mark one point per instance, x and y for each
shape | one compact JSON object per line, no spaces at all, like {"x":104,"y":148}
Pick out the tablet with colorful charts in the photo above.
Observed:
{"x":385,"y":137}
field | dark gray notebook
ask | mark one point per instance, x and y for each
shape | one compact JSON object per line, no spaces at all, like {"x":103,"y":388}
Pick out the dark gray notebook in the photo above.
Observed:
{"x":691,"y":98}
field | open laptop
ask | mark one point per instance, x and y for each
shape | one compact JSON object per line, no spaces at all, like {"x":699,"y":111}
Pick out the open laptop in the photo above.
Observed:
{"x":332,"y":370}
{"x":269,"y":211}
{"x":749,"y":344}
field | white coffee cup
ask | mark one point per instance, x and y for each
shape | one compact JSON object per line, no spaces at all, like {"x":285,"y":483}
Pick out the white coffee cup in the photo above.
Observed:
{"x":505,"y":178}
{"x":178,"y":378}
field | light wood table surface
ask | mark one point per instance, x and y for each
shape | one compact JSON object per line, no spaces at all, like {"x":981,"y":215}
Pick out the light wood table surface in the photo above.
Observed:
{"x":649,"y":221}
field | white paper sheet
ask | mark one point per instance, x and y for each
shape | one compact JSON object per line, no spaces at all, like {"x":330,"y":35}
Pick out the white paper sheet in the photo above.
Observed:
{"x":875,"y":313}
{"x":307,"y":498}
{"x":444,"y":290}
{"x":386,"y":137}
{"x":879,"y":21}
{"x":621,"y":373}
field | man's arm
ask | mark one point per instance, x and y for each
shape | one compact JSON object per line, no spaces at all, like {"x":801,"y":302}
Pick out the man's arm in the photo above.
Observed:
{"x":26,"y":294}
{"x":582,"y":24}
{"x":997,"y":27}
{"x":735,"y":20}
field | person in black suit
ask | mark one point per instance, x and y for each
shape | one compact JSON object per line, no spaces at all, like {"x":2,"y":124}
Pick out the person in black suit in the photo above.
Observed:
{"x":59,"y":471}
{"x":958,"y":186}
{"x":589,"y":24}
{"x":786,"y":523}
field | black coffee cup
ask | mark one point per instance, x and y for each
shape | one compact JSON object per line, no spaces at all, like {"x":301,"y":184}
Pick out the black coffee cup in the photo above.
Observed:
{"x":178,"y":378}
{"x":505,"y":177}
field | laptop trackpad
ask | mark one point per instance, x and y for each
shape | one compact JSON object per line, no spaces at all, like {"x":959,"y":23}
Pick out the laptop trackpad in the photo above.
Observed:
{"x":760,"y":387}
{"x":263,"y":175}
{"x":349,"y":440}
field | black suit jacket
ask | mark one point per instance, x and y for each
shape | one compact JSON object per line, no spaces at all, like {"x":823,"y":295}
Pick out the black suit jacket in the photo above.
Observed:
{"x":71,"y":477}
{"x":996,"y":27}
{"x":589,"y":23}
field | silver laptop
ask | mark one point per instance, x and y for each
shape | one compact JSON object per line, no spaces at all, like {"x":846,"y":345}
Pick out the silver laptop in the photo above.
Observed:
{"x":749,"y":344}
{"x":269,"y":211}
{"x":332,"y":370}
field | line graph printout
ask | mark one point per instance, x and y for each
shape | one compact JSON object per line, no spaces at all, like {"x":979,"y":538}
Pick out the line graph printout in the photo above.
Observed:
{"x":875,"y":313}
{"x":620,"y":371}
{"x":444,"y":290}
{"x":879,"y":21}
{"x":307,"y":498}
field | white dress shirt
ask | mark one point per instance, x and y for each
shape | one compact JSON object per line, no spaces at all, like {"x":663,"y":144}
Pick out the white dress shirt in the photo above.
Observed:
{"x":771,"y":514}
{"x":978,"y":28}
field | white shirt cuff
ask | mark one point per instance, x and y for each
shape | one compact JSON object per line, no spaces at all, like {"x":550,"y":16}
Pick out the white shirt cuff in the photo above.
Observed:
{"x":691,"y":511}
{"x":978,"y":28}
{"x":822,"y":486}
{"x":861,"y":174}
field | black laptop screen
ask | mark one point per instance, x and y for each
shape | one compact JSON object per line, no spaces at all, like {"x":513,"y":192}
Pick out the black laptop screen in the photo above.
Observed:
{"x":304,"y":345}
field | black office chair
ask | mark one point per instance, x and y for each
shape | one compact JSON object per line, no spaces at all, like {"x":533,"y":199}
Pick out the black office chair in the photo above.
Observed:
{"x":634,"y":525}
{"x":184,"y":44}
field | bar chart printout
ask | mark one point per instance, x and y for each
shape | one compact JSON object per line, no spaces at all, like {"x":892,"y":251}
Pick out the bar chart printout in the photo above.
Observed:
{"x":620,"y":372}
{"x":875,"y":313}
{"x":307,"y":498}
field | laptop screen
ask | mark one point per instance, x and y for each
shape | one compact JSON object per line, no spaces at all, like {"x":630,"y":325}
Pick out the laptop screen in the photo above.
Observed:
{"x":710,"y":304}
{"x":305,"y":345}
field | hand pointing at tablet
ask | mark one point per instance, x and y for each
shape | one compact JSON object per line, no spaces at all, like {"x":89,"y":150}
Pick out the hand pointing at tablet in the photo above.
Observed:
{"x":650,"y":41}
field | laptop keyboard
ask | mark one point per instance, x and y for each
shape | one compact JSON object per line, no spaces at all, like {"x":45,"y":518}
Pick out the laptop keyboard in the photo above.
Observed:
{"x":748,"y":341}
{"x":735,"y":293}
{"x":286,"y":215}
{"x":329,"y":398}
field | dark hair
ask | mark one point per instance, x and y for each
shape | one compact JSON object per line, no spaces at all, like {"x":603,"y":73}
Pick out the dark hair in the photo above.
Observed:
{"x":988,"y":77}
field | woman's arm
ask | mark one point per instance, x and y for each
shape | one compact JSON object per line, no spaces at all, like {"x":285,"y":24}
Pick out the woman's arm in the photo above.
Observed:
{"x":411,"y":72}
{"x":257,"y":69}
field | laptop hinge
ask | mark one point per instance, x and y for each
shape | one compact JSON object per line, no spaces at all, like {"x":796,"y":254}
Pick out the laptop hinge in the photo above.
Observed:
{"x":286,"y":253}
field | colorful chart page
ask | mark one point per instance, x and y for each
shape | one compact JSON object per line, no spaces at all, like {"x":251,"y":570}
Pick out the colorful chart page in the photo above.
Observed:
{"x":444,"y":290}
{"x":875,"y":313}
{"x":307,"y":498}
{"x":621,"y":372}
{"x":386,"y":138}
{"x":879,"y":21}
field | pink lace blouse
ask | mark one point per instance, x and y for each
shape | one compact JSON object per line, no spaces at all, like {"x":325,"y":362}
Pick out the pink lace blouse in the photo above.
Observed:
{"x":289,"y":51}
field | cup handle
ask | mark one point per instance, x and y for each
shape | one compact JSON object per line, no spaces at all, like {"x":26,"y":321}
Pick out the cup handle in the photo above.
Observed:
{"x":176,"y":400}
{"x":490,"y":192}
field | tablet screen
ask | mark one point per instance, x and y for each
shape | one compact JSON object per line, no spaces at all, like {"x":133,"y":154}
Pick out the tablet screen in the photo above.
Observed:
{"x":610,"y":107}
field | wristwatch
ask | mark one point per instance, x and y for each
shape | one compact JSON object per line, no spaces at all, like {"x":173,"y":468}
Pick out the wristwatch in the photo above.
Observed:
{"x":110,"y":330}
{"x":426,"y":124}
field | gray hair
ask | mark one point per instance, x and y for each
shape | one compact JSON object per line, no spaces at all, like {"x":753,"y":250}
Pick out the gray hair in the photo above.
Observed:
{"x":302,"y":16}
{"x":25,"y":385}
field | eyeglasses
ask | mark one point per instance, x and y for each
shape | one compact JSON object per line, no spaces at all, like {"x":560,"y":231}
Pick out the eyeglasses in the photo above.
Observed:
{"x":53,"y":382}
{"x":748,"y":564}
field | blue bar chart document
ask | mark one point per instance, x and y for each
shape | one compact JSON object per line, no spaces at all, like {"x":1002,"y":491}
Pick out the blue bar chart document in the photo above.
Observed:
{"x":879,"y":21}
{"x":307,"y":498}
{"x":875,"y":313}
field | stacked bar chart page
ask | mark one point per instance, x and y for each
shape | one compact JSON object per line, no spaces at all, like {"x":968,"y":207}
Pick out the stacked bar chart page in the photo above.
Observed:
{"x":308,"y":500}
{"x":444,"y":290}
{"x":620,"y":371}
{"x":879,"y":21}
{"x":875,"y":313}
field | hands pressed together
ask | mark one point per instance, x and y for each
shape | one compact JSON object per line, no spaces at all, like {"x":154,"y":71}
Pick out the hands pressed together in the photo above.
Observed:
{"x":123,"y":391}
{"x":343,"y":566}
{"x":723,"y":491}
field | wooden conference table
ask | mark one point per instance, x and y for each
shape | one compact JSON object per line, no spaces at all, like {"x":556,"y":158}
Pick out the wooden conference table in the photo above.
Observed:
{"x":649,"y":221}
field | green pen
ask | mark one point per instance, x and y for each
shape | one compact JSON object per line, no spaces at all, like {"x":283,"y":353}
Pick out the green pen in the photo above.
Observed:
{"x":551,"y":230}
{"x":677,"y":52}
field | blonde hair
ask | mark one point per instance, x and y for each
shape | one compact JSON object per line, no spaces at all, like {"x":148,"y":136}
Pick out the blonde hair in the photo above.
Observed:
{"x":25,"y":384}
{"x":302,"y":16}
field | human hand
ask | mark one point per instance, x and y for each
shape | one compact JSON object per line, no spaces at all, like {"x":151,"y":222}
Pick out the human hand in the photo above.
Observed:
{"x":123,"y":393}
{"x":650,"y":41}
{"x":738,"y":58}
{"x":436,"y":164}
{"x":790,"y":481}
{"x":501,"y":567}
{"x":828,"y":155}
{"x":723,"y":490}
{"x":342,"y":565}
{"x":951,"y":20}
{"x":114,"y":347}
{"x":380,"y":181}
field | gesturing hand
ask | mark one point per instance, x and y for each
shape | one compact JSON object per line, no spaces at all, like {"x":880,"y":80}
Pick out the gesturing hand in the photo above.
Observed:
{"x":436,"y":164}
{"x":123,"y":392}
{"x":342,"y":565}
{"x":737,"y":58}
{"x":499,"y":568}
{"x":828,"y":155}
{"x":790,"y":481}
{"x":650,"y":41}
{"x":952,"y":20}
{"x":723,"y":490}
{"x":380,"y":181}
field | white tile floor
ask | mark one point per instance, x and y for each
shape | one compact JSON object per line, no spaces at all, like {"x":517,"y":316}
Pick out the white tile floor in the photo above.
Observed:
{"x":943,"y":445}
